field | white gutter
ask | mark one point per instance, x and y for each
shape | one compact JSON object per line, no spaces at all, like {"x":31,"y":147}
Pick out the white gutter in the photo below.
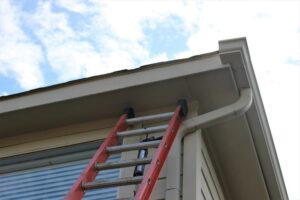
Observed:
{"x":202,"y":121}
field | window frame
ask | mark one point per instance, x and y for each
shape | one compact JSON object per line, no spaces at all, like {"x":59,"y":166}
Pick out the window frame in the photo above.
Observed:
{"x":48,"y":157}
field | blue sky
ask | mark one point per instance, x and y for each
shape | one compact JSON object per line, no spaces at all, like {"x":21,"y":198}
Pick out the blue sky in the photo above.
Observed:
{"x":48,"y":42}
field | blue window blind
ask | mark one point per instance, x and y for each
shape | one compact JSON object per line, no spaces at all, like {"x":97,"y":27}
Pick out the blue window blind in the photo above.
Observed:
{"x":53,"y":182}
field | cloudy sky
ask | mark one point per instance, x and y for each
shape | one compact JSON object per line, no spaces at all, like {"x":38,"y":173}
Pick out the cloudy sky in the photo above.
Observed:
{"x":47,"y":42}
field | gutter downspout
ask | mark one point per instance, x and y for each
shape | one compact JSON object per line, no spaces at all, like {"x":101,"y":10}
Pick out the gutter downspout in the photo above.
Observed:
{"x":225,"y":113}
{"x":202,"y":121}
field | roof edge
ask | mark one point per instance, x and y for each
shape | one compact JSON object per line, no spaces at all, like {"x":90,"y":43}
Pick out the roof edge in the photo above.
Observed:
{"x":107,"y":75}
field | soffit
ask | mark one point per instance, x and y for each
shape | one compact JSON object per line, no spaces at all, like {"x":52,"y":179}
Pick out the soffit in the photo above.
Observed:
{"x":106,"y":97}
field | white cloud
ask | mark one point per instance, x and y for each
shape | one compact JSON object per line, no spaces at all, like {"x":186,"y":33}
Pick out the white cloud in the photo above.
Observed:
{"x":126,"y":18}
{"x":71,"y":58}
{"x":52,"y":28}
{"x":117,"y":33}
{"x":66,"y":53}
{"x":258,"y":20}
{"x":158,"y":58}
{"x":19,"y":56}
{"x":3,"y":94}
{"x":73,"y":5}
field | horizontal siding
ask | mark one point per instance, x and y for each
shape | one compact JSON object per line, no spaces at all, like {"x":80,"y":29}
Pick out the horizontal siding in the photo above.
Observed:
{"x":205,"y":188}
{"x":210,"y":186}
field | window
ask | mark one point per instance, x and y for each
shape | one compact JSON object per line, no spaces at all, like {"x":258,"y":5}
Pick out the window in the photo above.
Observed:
{"x":50,"y":174}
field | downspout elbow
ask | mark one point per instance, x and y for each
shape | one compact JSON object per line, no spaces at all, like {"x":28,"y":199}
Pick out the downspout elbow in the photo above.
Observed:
{"x":222,"y":114}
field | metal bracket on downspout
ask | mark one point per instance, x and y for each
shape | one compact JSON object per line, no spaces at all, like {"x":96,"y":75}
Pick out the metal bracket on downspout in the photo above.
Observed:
{"x":205,"y":120}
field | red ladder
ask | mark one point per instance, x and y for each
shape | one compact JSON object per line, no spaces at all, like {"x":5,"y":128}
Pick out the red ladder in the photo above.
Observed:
{"x":86,"y":181}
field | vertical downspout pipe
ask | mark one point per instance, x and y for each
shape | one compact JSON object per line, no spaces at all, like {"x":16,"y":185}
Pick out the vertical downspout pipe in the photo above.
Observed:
{"x":209,"y":119}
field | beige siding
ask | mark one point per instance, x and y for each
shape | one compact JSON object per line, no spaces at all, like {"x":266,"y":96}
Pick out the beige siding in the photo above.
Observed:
{"x":210,"y":187}
{"x":54,"y":138}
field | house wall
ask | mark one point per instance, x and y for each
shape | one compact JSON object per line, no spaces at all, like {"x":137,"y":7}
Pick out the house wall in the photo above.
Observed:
{"x":196,"y":171}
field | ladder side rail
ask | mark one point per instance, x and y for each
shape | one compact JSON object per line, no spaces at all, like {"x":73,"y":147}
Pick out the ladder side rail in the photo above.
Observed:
{"x":90,"y":172}
{"x":151,"y":176}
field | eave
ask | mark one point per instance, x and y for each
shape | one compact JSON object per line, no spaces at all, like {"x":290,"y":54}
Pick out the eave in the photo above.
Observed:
{"x":242,"y":148}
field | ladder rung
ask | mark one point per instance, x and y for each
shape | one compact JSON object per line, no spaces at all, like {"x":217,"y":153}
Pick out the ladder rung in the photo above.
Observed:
{"x":162,"y":116}
{"x":142,"y":131}
{"x":123,"y":163}
{"x":112,"y":183}
{"x":130,"y":147}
